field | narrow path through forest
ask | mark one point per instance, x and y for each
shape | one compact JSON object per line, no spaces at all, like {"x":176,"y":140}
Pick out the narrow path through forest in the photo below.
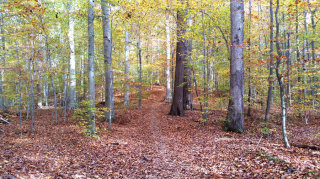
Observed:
{"x":148,"y":143}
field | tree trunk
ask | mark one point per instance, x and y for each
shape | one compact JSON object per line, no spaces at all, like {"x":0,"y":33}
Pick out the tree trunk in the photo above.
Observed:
{"x":235,"y":117}
{"x":297,"y":51}
{"x":72,"y":96}
{"x":126,"y":68}
{"x":52,"y":79}
{"x":288,"y":71}
{"x":3,"y":48}
{"x":32,"y":96}
{"x":107,"y":43}
{"x":249,"y":70}
{"x":177,"y":103}
{"x":280,"y":80}
{"x":204,"y":69}
{"x":91,"y":119}
{"x":187,"y":95}
{"x":140,"y":71}
{"x":270,"y":79}
{"x":168,"y":78}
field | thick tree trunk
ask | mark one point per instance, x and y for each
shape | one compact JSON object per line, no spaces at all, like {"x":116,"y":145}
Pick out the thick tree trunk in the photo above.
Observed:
{"x":235,"y":118}
{"x":126,"y":68}
{"x":91,"y":119}
{"x":270,"y":79}
{"x":168,"y":42}
{"x":107,"y":43}
{"x":72,"y":96}
{"x":177,"y":103}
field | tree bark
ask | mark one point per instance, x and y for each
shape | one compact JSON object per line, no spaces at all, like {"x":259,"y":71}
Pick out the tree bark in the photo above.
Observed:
{"x":204,"y":69}
{"x":91,"y":119}
{"x":249,"y":70}
{"x":177,"y":103}
{"x":72,"y":95}
{"x":187,"y":95}
{"x":280,"y":80}
{"x":270,"y":79}
{"x":3,"y":48}
{"x":168,"y":42}
{"x":126,"y":68}
{"x":235,"y":117}
{"x":107,"y":43}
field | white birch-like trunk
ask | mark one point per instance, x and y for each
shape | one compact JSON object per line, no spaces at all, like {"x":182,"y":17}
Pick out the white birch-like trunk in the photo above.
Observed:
{"x":72,"y":94}
{"x":126,"y":68}
{"x":168,"y":85}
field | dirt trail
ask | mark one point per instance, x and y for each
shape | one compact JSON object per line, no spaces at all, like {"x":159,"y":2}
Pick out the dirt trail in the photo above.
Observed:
{"x":155,"y":109}
{"x":151,"y":144}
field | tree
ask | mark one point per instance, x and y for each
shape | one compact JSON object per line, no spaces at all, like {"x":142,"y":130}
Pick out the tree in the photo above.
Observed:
{"x":187,"y":96}
{"x":168,"y":43}
{"x":177,"y":103}
{"x":280,"y":79}
{"x":107,"y":43}
{"x":91,"y":118}
{"x":3,"y":62}
{"x":271,"y":64}
{"x":235,"y":117}
{"x":72,"y":62}
{"x":126,"y":68}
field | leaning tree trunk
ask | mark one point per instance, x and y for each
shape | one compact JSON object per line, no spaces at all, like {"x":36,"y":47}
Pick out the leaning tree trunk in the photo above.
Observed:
{"x":271,"y":65}
{"x":72,"y":96}
{"x":168,"y":42}
{"x":107,"y":43}
{"x":235,"y":118}
{"x":280,"y":80}
{"x":91,"y":118}
{"x":177,"y":103}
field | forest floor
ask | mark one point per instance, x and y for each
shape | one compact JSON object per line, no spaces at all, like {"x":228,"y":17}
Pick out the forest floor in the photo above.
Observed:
{"x":148,"y":143}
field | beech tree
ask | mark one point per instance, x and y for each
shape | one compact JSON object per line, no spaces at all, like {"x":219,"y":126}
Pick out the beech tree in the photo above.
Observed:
{"x":235,"y":117}
{"x":91,"y":119}
{"x":168,"y":44}
{"x":107,"y":43}
{"x":72,"y":95}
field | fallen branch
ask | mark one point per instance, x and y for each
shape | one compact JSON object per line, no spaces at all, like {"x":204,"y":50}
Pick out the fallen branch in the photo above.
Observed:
{"x":4,"y":121}
{"x":258,"y":142}
{"x":312,"y":147}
